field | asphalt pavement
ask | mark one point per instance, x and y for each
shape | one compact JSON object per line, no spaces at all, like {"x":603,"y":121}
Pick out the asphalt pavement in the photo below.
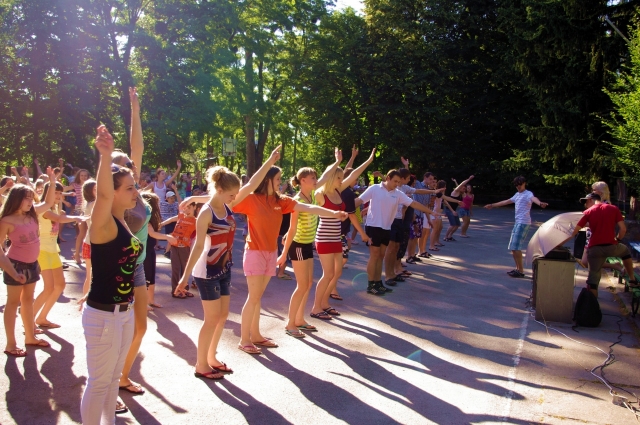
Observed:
{"x":454,"y":344}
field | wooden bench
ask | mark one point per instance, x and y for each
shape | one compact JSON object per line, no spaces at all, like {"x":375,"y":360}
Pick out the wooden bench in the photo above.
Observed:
{"x":635,"y":292}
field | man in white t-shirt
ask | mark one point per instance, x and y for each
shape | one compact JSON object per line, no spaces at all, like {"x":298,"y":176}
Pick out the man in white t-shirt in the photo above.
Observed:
{"x":523,"y":200}
{"x":384,"y":201}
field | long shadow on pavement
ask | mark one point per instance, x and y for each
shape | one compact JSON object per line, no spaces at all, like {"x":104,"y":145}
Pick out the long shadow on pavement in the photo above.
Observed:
{"x":67,"y":388}
{"x":253,"y":411}
{"x":327,"y":395}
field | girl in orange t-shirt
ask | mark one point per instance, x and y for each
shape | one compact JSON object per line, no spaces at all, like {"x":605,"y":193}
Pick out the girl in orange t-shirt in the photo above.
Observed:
{"x":264,"y":209}
{"x":184,"y":231}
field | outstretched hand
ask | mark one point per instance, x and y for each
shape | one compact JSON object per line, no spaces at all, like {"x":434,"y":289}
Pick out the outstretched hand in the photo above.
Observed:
{"x":354,"y":151}
{"x":51,"y":174}
{"x":405,"y":162}
{"x":338,"y":154}
{"x":373,"y":155}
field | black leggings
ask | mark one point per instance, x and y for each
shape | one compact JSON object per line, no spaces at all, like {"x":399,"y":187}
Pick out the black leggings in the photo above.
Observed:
{"x":150,"y":261}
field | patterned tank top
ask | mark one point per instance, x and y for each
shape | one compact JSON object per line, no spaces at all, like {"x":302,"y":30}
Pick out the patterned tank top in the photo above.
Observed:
{"x":216,"y":258}
{"x":330,"y":229}
{"x":307,"y":223}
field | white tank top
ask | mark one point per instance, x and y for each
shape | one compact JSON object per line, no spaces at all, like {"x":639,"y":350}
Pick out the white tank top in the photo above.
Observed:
{"x":160,"y":191}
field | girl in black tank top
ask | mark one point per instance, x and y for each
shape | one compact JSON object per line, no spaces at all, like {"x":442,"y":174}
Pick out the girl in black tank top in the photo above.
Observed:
{"x":113,"y":266}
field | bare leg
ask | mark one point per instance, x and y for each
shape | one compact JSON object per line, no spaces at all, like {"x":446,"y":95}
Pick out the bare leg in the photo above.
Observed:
{"x":378,"y":275}
{"x":390,"y":260}
{"x":212,"y":360}
{"x":10,"y":311}
{"x":328,"y":273}
{"x":26,"y":311}
{"x":48,"y":280}
{"x":212,"y":310}
{"x":466,"y":220}
{"x":372,"y":263}
{"x":333,"y":283}
{"x":250,"y":320}
{"x":58,"y":288}
{"x":303,"y":271}
{"x":517,"y":257}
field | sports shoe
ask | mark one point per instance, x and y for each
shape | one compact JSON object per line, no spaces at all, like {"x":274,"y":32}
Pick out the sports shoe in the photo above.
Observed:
{"x":515,"y":273}
{"x":383,"y":288}
{"x":374,"y":290}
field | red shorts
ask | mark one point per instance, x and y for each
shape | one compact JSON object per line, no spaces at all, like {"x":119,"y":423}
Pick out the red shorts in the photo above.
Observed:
{"x":329,"y":247}
{"x":86,"y":251}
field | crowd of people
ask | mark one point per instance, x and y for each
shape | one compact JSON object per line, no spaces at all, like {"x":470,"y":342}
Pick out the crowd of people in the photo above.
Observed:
{"x":122,"y":216}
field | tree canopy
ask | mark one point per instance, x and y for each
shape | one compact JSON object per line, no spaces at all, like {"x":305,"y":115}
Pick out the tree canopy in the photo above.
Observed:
{"x":495,"y":88}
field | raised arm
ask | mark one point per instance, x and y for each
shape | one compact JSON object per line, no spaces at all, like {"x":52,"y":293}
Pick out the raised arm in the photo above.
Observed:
{"x":136,"y":142}
{"x":353,"y":177}
{"x":175,"y":175}
{"x":50,"y":200}
{"x":331,"y":168}
{"x":38,"y":169}
{"x":354,"y":153}
{"x":418,"y":206}
{"x":103,"y":226}
{"x":257,"y":178}
{"x":461,"y":185}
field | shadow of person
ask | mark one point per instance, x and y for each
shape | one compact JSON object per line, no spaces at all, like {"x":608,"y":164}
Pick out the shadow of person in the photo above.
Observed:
{"x":29,"y":397}
{"x":181,"y":344}
{"x":328,"y":396}
{"x":67,"y":387}
{"x":139,"y":412}
{"x":427,"y":404}
{"x":253,"y":411}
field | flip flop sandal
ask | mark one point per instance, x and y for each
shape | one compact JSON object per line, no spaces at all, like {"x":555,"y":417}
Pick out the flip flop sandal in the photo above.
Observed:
{"x":48,"y":325}
{"x":137,"y":388}
{"x":16,"y":352}
{"x":36,"y":332}
{"x":439,"y":244}
{"x":434,"y":249}
{"x":335,"y":297}
{"x":399,"y":278}
{"x":332,"y":311}
{"x":155,"y":305}
{"x":181,"y":296}
{"x":188,"y":294}
{"x":215,"y":375}
{"x":268,"y":342}
{"x":295,"y":334}
{"x":223,"y":368}
{"x":121,"y":407}
{"x":406,"y":273}
{"x":322,"y":316}
{"x":249,"y":349}
{"x":40,"y":344}
{"x":424,"y":255}
{"x":308,"y":327}
{"x":284,"y":277}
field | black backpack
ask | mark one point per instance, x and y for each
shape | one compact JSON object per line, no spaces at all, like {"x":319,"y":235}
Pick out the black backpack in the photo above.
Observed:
{"x":587,"y":312}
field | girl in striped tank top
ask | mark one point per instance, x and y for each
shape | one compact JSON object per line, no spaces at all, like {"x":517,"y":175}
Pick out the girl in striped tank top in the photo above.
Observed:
{"x":328,"y":237}
{"x":298,"y":244}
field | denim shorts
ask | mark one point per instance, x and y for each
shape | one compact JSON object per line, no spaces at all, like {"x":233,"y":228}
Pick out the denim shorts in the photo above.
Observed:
{"x":454,"y":220}
{"x":213,"y":289}
{"x":463,"y":212}
{"x":138,"y":276}
{"x":518,"y":240}
{"x":30,"y":270}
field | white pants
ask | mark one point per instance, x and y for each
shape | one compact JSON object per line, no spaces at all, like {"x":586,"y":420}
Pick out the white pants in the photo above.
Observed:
{"x":108,"y":336}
